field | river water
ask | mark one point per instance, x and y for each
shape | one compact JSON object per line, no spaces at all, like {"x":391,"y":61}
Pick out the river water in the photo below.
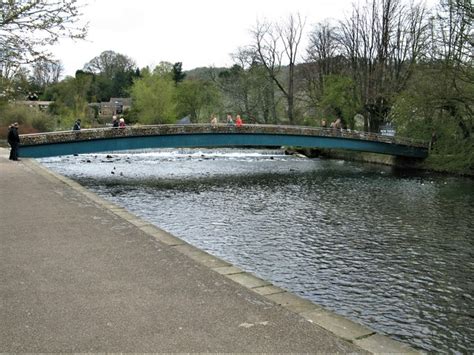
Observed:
{"x":391,"y":250}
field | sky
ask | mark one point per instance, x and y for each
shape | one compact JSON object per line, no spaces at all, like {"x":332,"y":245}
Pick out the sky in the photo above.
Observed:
{"x":197,"y":33}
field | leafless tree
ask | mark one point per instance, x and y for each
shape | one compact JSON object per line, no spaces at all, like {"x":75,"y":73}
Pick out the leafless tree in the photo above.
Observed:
{"x":410,"y":43}
{"x":383,"y":39}
{"x":277,"y":46}
{"x":247,"y":87}
{"x":453,"y":46}
{"x":320,"y":60}
{"x":45,"y":73}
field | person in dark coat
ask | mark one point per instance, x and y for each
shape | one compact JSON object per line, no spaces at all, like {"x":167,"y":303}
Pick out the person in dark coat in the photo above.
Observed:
{"x":77,"y":125}
{"x":115,"y":122}
{"x":14,"y":141}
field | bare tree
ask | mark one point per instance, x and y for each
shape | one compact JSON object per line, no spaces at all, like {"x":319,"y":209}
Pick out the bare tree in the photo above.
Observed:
{"x":383,"y":39}
{"x":277,"y":45}
{"x":247,"y":87}
{"x":320,"y":60}
{"x":410,"y":43}
{"x":323,"y":46}
{"x":453,"y":47}
{"x":45,"y":73}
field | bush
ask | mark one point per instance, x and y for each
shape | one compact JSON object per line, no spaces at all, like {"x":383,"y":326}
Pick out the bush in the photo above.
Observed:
{"x":30,"y":119}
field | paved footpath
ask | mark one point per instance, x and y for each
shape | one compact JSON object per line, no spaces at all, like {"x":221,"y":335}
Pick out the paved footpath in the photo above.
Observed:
{"x":78,"y":274}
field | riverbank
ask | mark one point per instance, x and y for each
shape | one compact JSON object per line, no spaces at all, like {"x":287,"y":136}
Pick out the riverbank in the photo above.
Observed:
{"x":431,"y":164}
{"x":80,"y":274}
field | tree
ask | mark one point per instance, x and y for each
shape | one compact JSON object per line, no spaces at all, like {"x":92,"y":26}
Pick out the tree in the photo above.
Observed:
{"x":271,"y":44}
{"x":247,"y":88}
{"x":338,"y":101}
{"x":453,"y":44}
{"x":198,"y":99}
{"x":322,"y":50}
{"x":45,"y":73}
{"x":439,"y":95}
{"x":323,"y":59}
{"x":383,"y":41}
{"x":28,"y":27}
{"x":114,"y":74}
{"x":108,"y":63}
{"x":178,"y":74}
{"x":70,"y":98}
{"x":153,"y":98}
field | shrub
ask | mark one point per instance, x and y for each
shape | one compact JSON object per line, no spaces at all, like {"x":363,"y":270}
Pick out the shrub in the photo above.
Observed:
{"x":30,"y":119}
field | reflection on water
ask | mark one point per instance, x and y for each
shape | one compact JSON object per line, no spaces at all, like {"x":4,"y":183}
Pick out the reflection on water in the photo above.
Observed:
{"x":388,"y":249}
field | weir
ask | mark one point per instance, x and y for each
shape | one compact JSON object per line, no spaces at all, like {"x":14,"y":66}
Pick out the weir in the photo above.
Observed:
{"x":206,"y":136}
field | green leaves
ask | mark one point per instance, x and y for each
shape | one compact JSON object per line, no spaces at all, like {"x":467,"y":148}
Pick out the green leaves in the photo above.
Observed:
{"x":29,"y":26}
{"x":153,"y":98}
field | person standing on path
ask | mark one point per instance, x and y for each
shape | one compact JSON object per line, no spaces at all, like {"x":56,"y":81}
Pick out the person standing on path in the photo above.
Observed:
{"x":14,"y":141}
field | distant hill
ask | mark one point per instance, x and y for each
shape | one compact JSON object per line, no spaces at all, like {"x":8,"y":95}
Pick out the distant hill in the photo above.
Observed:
{"x":204,"y":73}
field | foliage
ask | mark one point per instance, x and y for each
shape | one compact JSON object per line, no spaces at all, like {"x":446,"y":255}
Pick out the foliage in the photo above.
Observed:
{"x":338,"y":100}
{"x":429,"y":106}
{"x":153,"y":98}
{"x":108,"y":63}
{"x":29,"y":27}
{"x":70,"y":98}
{"x":30,"y":119}
{"x":249,"y":91}
{"x":198,"y":99}
{"x":113,"y":75}
{"x":44,"y":73}
{"x":178,"y":74}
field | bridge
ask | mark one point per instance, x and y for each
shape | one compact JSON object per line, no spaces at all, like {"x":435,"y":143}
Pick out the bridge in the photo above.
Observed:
{"x":199,"y":136}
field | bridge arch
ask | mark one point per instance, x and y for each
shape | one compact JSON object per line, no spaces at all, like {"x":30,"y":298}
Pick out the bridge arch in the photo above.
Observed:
{"x":200,"y":136}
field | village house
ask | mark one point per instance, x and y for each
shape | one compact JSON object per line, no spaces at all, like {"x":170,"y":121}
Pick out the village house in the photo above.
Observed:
{"x":116,"y":106}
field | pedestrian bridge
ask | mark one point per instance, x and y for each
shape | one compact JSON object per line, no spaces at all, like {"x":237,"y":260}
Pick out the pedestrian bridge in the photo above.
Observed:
{"x":201,"y":136}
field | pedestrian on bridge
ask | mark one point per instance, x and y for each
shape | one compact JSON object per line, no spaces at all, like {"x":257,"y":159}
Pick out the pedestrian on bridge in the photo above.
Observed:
{"x":115,"y":122}
{"x":121,"y":122}
{"x":238,"y":121}
{"x":230,"y":121}
{"x":77,"y":125}
{"x":214,"y":121}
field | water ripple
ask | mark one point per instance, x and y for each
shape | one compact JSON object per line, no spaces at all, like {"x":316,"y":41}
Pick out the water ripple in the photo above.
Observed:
{"x":391,"y":250}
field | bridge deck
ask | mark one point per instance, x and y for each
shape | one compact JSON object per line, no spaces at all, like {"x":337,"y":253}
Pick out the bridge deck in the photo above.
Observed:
{"x":198,"y":135}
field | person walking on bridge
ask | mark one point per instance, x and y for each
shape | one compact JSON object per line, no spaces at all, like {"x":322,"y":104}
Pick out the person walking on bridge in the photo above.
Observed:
{"x":77,"y":125}
{"x":14,"y":141}
{"x":115,"y":122}
{"x":238,"y":121}
{"x":214,"y":121}
{"x":121,"y":122}
{"x":230,"y":121}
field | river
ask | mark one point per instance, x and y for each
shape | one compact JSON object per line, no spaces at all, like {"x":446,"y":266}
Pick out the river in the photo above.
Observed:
{"x":389,"y":249}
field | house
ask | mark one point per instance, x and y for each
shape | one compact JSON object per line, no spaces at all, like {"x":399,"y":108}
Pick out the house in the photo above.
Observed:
{"x":41,"y":105}
{"x":116,"y":106}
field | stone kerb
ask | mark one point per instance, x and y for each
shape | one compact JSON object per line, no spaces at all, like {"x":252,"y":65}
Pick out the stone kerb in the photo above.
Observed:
{"x":140,"y":131}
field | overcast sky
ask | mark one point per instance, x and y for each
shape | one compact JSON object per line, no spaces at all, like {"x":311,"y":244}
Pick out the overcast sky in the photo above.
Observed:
{"x":197,"y":33}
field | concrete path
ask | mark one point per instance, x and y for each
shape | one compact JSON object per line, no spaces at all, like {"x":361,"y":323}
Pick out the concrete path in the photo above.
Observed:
{"x":78,"y":274}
